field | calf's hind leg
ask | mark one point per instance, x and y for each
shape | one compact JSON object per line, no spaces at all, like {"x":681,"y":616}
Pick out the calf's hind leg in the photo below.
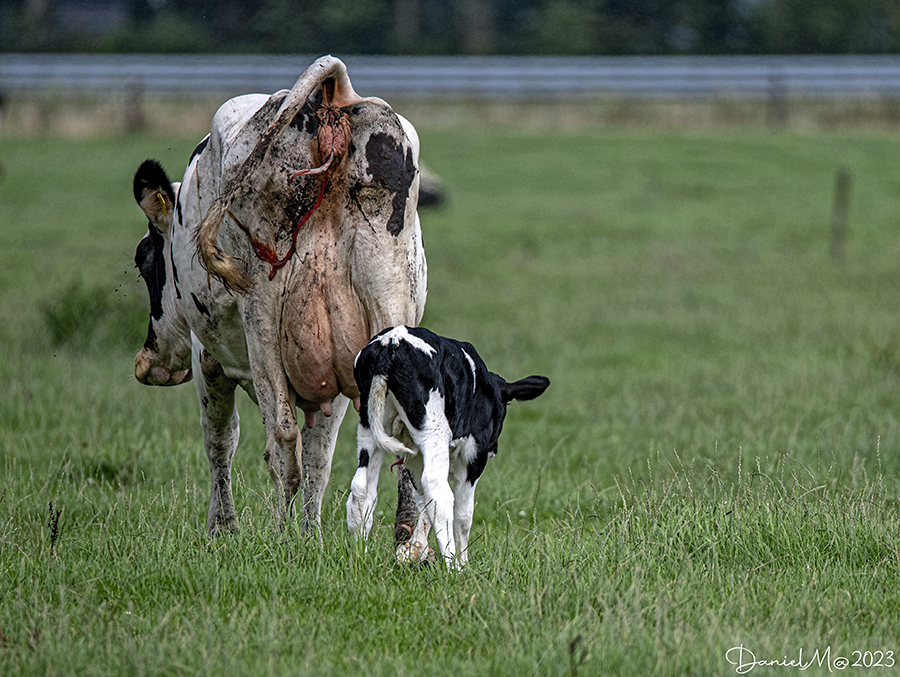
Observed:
{"x":433,"y":443}
{"x":364,"y":487}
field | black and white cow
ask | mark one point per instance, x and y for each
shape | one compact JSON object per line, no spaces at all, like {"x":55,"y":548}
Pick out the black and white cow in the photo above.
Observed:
{"x":292,"y":238}
{"x":433,"y":403}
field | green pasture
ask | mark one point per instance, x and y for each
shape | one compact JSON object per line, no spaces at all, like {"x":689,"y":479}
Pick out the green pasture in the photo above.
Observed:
{"x":716,"y":463}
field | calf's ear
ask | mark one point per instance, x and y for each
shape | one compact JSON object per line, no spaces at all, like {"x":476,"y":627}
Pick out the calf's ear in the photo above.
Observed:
{"x":525,"y":389}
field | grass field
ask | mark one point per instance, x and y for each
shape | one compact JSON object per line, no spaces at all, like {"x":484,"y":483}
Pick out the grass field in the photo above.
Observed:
{"x":716,"y":463}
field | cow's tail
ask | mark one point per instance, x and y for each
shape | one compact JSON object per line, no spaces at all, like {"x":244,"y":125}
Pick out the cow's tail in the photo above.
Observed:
{"x":328,"y":72}
{"x":377,"y":398}
{"x":217,"y":262}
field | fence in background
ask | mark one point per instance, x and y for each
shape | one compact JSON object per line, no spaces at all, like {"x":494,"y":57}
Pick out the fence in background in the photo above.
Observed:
{"x":478,"y":78}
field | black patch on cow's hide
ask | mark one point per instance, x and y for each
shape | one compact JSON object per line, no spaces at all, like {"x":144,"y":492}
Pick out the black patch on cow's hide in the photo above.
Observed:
{"x":150,"y":261}
{"x":199,"y":149}
{"x":306,"y":119}
{"x":363,"y":458}
{"x":200,"y":305}
{"x":175,"y":275}
{"x":150,"y":342}
{"x":393,"y":169}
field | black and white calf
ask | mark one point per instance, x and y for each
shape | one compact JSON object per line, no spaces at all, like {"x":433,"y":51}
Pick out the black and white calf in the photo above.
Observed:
{"x":438,"y":397}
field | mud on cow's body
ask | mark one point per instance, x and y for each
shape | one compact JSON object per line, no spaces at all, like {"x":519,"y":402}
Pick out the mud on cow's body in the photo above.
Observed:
{"x":291,"y":240}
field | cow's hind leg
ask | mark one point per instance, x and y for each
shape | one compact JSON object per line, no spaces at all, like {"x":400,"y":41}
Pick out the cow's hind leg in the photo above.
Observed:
{"x":283,"y":440}
{"x":318,"y":451}
{"x":414,"y":530}
{"x":276,"y":399}
{"x":283,"y":453}
{"x":407,"y":509}
{"x":221,"y":432}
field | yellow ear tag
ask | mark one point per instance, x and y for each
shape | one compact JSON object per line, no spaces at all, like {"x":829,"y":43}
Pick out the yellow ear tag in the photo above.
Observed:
{"x":162,"y":201}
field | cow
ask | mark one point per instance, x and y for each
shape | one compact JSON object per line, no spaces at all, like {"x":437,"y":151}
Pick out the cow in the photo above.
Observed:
{"x":292,"y":238}
{"x":433,"y":403}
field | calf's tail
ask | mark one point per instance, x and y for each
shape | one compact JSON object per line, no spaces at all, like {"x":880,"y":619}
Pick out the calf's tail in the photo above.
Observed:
{"x":377,"y":398}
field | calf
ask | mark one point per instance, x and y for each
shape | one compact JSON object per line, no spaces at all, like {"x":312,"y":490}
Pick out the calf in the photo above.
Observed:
{"x":433,"y":403}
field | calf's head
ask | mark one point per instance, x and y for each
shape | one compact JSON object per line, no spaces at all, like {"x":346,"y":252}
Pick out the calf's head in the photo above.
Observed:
{"x":524,"y":389}
{"x":165,"y":359}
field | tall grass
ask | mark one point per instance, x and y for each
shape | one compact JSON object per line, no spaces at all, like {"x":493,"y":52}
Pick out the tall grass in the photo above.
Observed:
{"x":716,"y":463}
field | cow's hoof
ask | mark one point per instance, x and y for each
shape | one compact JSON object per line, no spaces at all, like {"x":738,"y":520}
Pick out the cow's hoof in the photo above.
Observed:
{"x":222,"y":529}
{"x":414,"y":552}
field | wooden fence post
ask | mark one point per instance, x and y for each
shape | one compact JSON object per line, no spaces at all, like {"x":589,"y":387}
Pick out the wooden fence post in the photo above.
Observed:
{"x":777,"y":101}
{"x":135,"y":120}
{"x":840,"y":213}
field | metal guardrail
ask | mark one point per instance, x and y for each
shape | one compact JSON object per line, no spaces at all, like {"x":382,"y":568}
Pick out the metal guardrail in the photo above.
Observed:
{"x":483,"y":78}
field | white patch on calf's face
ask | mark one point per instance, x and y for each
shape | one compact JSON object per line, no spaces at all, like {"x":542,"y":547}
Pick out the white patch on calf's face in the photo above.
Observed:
{"x":401,"y":333}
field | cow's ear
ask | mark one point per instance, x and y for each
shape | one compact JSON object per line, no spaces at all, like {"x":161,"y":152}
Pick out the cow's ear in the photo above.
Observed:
{"x":154,"y":193}
{"x":525,"y":389}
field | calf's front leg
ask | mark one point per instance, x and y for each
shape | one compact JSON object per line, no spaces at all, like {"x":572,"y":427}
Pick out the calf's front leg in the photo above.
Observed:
{"x":463,"y":507}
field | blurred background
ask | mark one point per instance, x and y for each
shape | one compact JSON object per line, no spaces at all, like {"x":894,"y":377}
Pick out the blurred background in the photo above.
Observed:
{"x":445,"y":27}
{"x":675,"y":63}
